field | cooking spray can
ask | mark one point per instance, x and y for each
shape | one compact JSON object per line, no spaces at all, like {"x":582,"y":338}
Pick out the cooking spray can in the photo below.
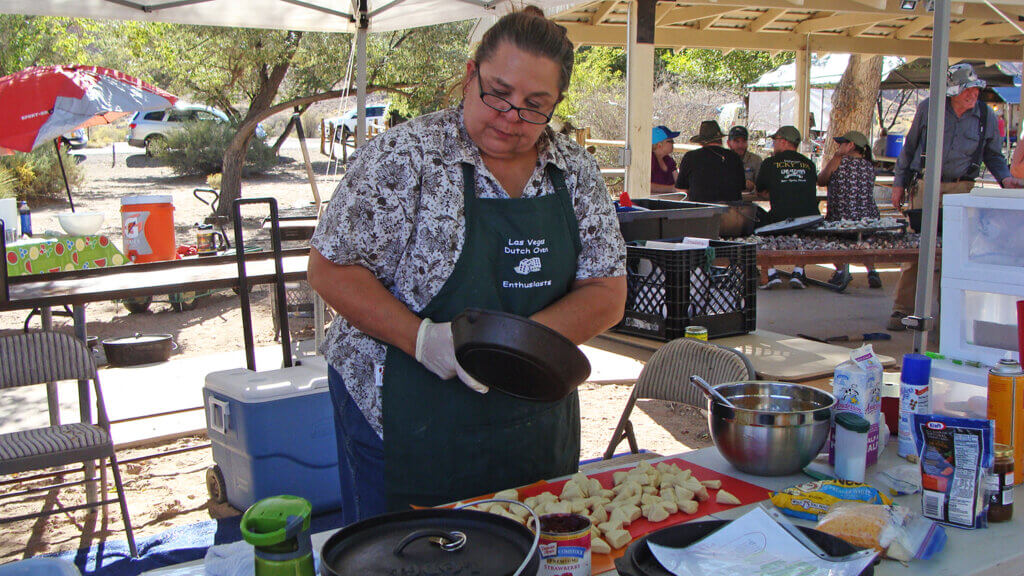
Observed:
{"x":1006,"y":407}
{"x":564,"y":545}
{"x":915,"y":398}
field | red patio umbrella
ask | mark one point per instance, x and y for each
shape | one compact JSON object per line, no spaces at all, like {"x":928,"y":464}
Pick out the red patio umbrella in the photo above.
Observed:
{"x":40,"y":103}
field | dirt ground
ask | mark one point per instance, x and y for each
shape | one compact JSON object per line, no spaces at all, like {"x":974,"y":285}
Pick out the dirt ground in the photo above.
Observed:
{"x":170,"y":490}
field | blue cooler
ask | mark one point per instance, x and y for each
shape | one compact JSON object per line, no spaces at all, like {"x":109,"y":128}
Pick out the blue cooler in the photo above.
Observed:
{"x":273,"y":433}
{"x":893,"y":145}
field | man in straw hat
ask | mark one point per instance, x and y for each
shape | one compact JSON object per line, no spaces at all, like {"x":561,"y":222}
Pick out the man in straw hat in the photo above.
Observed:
{"x":788,"y":180}
{"x":711,"y":173}
{"x":970,"y":137}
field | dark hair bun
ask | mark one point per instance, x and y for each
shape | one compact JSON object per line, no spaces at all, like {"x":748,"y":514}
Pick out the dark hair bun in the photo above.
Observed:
{"x":533,"y":10}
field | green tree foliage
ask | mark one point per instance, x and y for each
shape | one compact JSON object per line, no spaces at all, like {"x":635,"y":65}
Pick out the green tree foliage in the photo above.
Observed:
{"x":597,"y":70}
{"x":712,"y":69}
{"x":198,"y":149}
{"x":40,"y":41}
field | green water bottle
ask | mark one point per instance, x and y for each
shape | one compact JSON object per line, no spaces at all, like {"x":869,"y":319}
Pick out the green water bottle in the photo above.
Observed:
{"x":278,"y":528}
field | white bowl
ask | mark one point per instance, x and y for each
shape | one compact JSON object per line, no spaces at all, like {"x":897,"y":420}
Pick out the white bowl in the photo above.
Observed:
{"x":81,"y":223}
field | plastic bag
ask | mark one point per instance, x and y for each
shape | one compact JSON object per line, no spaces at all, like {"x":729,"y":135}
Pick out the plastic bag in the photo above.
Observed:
{"x":901,"y":479}
{"x":893,"y":530}
{"x":812,"y":499}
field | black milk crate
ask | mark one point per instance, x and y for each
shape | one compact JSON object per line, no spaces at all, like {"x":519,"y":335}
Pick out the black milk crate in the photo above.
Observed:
{"x":668,"y":290}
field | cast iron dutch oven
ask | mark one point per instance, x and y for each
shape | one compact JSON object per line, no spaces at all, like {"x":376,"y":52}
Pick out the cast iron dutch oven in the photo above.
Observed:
{"x":518,"y":356}
{"x":431,"y":541}
{"x":138,"y":349}
{"x":640,"y":561}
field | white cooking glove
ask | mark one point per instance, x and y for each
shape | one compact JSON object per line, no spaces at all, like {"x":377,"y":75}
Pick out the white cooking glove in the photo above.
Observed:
{"x":436,"y":350}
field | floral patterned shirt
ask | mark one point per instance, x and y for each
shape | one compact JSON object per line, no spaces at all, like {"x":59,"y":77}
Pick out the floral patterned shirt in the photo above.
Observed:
{"x":851,"y":190}
{"x":399,"y":212}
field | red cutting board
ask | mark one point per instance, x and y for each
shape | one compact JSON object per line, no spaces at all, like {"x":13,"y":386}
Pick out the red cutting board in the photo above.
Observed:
{"x":746,"y":492}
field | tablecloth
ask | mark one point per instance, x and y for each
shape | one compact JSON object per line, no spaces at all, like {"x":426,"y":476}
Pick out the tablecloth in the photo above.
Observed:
{"x":43,"y":255}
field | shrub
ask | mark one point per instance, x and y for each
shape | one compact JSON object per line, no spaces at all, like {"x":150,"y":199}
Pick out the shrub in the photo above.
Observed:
{"x":198,"y":149}
{"x":7,"y":181}
{"x":37,"y":174}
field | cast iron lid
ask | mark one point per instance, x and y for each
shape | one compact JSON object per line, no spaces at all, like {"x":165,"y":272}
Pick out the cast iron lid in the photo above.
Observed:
{"x":789,"y":225}
{"x":640,"y":561}
{"x":518,"y":356}
{"x":139,"y":339}
{"x":415,"y":542}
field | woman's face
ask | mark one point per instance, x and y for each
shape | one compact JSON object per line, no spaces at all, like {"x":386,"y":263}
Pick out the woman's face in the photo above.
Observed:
{"x":526,"y":81}
{"x":663,"y":148}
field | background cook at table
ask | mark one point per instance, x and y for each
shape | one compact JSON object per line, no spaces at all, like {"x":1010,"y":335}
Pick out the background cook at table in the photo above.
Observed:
{"x":434,"y":216}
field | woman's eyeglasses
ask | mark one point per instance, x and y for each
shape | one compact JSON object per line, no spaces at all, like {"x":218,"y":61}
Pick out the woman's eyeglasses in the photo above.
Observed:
{"x":498,"y":103}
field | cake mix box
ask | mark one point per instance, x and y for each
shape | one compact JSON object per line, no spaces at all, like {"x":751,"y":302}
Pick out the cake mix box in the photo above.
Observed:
{"x":857,"y":386}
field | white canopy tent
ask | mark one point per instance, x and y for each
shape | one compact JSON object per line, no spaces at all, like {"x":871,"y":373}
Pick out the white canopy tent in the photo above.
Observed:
{"x":352,"y":16}
{"x":825,"y":70}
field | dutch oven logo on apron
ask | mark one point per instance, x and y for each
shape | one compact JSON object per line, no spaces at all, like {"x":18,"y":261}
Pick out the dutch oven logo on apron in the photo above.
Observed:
{"x":532,"y":248}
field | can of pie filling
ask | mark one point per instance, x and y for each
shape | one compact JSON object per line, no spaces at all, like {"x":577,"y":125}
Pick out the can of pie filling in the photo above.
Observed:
{"x":564,"y":545}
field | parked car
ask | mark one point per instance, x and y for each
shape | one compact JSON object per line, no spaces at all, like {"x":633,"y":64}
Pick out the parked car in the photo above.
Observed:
{"x":345,"y":125}
{"x":76,"y":140}
{"x":148,"y":127}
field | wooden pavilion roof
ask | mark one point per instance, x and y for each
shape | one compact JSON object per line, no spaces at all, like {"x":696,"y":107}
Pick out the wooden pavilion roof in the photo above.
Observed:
{"x":978,"y":31}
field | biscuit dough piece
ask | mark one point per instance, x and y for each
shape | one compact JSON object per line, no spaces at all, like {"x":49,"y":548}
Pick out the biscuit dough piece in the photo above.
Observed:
{"x":617,"y":538}
{"x":510,"y":494}
{"x":598,"y":515}
{"x":724,"y":497}
{"x":713,"y":484}
{"x":599,"y":546}
{"x":571,"y":491}
{"x":655,"y":513}
{"x":688,"y":506}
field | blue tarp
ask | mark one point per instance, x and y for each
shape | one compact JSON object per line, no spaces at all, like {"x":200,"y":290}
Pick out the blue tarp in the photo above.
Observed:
{"x":1009,"y":94}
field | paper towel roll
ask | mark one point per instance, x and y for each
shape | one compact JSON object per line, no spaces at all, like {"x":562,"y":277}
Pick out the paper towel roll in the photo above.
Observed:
{"x":9,"y":214}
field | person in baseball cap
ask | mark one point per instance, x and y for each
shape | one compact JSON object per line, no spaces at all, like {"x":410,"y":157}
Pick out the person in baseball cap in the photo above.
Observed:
{"x":738,"y":143}
{"x":663,"y":166}
{"x":850,"y":178}
{"x":787,"y":133}
{"x":960,"y":77}
{"x":788,"y":180}
{"x":662,"y":133}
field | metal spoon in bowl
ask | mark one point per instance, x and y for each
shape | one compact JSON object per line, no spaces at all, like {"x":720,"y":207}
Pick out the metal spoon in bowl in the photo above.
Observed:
{"x":709,"y":391}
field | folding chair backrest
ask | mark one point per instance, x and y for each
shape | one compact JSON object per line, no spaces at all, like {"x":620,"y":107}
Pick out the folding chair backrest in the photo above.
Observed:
{"x":666,"y":376}
{"x":39,"y":357}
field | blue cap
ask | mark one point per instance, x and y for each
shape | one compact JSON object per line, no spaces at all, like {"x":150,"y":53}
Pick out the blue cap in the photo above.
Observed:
{"x":661,"y":133}
{"x":917,"y":369}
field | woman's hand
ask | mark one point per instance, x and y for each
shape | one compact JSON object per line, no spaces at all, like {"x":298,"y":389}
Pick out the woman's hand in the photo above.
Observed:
{"x":435,"y":349}
{"x":897,"y":197}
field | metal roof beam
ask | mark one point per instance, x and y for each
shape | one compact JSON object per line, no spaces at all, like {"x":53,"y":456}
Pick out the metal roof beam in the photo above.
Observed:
{"x":149,"y":8}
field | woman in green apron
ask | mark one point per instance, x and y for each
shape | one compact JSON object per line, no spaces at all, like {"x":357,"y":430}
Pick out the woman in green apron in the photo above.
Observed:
{"x":480,"y":205}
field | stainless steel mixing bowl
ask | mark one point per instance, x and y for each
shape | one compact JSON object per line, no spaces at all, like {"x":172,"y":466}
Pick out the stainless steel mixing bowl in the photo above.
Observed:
{"x":776,"y":429}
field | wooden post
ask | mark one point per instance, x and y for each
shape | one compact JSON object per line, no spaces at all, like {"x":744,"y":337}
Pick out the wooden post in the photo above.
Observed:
{"x":639,"y":96}
{"x":801,"y":117}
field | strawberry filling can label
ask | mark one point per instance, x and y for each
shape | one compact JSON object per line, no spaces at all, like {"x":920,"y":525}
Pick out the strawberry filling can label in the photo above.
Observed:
{"x":564,"y":545}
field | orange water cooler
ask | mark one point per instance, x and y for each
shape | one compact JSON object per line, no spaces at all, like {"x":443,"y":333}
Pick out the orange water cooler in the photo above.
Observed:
{"x":148,"y":228}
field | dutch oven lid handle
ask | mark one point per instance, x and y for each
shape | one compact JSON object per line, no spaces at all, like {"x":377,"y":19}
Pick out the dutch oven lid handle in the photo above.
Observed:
{"x":450,"y":541}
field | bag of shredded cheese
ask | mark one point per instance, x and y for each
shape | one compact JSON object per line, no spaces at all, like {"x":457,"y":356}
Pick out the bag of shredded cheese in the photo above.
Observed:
{"x":812,"y":499}
{"x":893,"y":530}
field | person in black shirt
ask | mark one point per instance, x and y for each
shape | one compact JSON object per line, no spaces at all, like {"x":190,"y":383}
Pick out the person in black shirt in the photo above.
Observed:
{"x":788,"y":179}
{"x":711,"y":173}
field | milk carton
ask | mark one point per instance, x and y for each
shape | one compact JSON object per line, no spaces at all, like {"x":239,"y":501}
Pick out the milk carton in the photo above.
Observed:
{"x":857,"y":386}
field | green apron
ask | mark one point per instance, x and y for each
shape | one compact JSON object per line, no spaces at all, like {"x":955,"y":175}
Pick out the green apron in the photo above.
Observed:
{"x":444,"y":442}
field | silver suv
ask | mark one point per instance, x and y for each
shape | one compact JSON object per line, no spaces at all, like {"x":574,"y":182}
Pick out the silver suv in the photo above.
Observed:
{"x":148,"y":127}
